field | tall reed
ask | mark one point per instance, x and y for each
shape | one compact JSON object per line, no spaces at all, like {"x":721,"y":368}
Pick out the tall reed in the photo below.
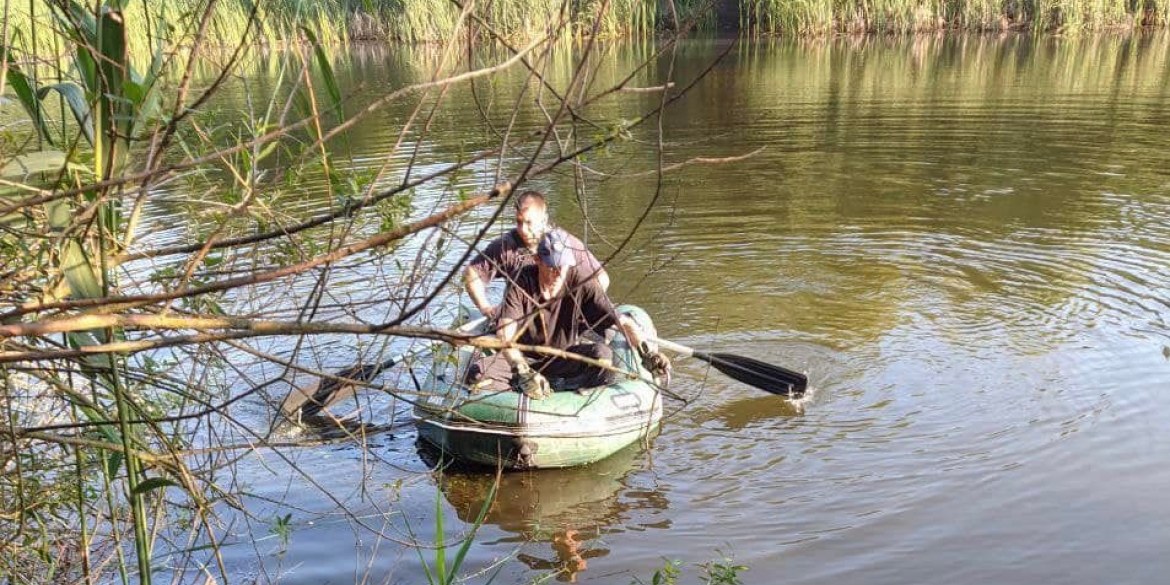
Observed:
{"x":411,"y":21}
{"x":818,"y":17}
{"x":426,"y":21}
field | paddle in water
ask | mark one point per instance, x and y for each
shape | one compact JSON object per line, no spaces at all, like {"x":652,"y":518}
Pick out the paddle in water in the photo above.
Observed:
{"x":750,"y":371}
{"x":344,"y":383}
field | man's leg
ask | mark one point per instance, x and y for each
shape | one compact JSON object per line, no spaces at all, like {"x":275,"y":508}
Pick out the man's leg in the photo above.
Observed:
{"x":489,"y":373}
{"x":579,"y":374}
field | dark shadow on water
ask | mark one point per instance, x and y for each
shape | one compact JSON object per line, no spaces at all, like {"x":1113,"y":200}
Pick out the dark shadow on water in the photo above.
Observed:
{"x":570,"y":509}
{"x":754,"y":411}
{"x":338,"y":429}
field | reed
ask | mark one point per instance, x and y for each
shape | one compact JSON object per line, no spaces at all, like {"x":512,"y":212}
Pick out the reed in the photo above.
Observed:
{"x":819,"y":17}
{"x":426,"y":21}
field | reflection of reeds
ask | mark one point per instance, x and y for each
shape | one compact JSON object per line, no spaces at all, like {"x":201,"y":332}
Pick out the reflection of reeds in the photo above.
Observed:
{"x":970,"y":66}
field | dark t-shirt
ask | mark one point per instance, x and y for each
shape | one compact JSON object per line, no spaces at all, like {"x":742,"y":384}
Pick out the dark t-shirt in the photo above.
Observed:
{"x":506,"y":256}
{"x":560,"y":322}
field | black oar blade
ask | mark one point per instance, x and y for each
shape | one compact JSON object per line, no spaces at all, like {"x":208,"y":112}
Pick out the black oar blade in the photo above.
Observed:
{"x":333,"y":390}
{"x":753,"y":372}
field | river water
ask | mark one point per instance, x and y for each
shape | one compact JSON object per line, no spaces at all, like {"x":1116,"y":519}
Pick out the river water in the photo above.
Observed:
{"x":965,"y":241}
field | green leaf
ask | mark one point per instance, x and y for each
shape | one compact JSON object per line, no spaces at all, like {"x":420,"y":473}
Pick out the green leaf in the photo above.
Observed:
{"x":441,"y":552}
{"x":152,"y":484}
{"x":326,"y":71}
{"x":79,"y":271}
{"x":80,"y":26}
{"x":422,"y":559}
{"x":43,"y":161}
{"x":115,"y":67}
{"x":78,"y":105}
{"x":148,"y":104}
{"x":107,"y":431}
{"x":26,"y":93}
{"x":301,"y":103}
{"x":97,"y":363}
{"x":114,"y":462}
{"x":266,"y":151}
{"x":470,"y":538}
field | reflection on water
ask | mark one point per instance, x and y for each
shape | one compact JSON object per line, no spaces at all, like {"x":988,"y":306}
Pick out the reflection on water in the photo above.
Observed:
{"x":738,"y":414}
{"x":569,"y":509}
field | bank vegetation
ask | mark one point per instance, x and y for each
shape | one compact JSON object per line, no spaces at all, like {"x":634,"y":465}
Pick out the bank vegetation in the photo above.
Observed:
{"x":435,"y":21}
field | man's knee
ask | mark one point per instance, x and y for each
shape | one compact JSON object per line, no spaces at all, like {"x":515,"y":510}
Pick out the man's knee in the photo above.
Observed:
{"x":597,"y":351}
{"x":488,"y":373}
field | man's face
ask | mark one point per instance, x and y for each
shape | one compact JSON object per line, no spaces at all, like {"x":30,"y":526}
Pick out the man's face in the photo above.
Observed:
{"x":531,"y":223}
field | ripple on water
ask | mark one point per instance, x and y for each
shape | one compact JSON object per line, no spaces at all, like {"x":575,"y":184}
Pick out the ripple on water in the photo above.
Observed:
{"x":965,"y":243}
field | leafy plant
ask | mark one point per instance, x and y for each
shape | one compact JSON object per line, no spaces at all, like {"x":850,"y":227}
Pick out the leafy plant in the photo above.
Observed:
{"x":722,"y":571}
{"x":438,"y":571}
{"x":668,"y":574}
{"x":282,"y":529}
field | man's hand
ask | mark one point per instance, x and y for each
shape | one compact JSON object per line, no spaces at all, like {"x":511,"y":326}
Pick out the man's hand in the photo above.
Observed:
{"x":490,"y":311}
{"x":656,"y":362}
{"x":532,"y":384}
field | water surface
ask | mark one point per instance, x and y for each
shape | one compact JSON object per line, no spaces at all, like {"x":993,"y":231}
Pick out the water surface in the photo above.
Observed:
{"x":965,"y":241}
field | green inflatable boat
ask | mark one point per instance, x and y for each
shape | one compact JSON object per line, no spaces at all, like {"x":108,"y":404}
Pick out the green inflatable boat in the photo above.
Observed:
{"x":572,"y":427}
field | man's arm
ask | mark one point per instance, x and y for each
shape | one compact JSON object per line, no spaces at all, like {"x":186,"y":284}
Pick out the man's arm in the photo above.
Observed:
{"x":508,"y":333}
{"x":654,"y":361}
{"x":588,"y":266}
{"x":603,"y":278}
{"x":593,"y":265}
{"x":477,"y":290}
{"x":511,"y":314}
{"x":632,"y":330}
{"x":480,"y":271}
{"x":532,"y":383}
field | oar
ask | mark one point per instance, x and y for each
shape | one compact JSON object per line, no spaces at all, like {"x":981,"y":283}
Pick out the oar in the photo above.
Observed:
{"x":752,"y":372}
{"x":336,"y":389}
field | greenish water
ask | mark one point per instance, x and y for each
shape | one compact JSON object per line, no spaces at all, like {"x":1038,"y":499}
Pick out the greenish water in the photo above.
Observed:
{"x":965,"y":241}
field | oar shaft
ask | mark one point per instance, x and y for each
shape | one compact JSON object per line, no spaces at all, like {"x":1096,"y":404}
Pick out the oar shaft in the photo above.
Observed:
{"x":672,"y":346}
{"x":752,"y":372}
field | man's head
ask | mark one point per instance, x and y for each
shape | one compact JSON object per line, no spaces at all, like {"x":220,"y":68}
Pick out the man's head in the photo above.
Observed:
{"x":531,"y":217}
{"x":555,"y":258}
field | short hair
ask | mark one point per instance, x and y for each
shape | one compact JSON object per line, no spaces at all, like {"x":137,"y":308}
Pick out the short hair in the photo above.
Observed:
{"x":527,"y":197}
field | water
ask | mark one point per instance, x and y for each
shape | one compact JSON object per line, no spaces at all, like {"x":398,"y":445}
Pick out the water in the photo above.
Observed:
{"x":965,"y":241}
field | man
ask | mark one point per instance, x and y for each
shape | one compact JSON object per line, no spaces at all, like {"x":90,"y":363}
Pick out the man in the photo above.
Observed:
{"x":540,"y":308}
{"x":508,"y":254}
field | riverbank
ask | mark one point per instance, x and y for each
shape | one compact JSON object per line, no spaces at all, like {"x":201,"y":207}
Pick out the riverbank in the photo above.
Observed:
{"x":427,"y":21}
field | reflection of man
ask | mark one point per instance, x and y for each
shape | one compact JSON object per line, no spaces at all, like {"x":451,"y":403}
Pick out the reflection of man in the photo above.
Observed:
{"x":508,"y":254}
{"x":570,"y":560}
{"x":540,"y":309}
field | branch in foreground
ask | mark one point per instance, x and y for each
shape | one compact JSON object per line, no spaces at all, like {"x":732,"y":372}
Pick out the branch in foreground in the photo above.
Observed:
{"x":338,"y":254}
